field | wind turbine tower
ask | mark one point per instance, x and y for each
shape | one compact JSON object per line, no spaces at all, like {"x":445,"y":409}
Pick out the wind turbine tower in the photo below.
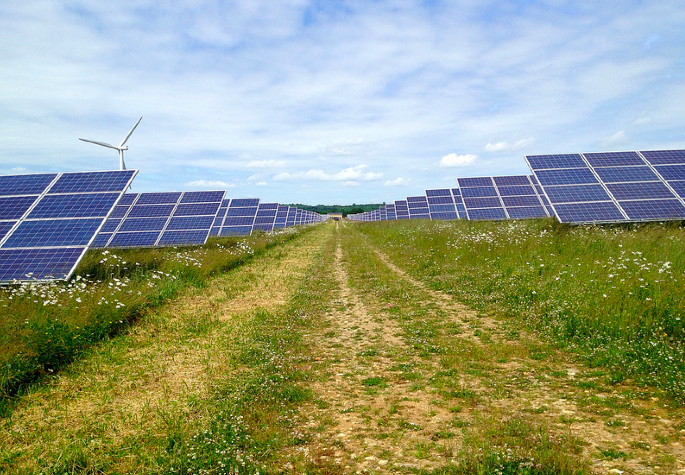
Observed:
{"x":120,"y":148}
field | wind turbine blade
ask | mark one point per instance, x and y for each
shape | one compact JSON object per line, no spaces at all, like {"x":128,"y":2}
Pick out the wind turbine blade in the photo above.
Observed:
{"x":129,"y":134}
{"x":100,"y":143}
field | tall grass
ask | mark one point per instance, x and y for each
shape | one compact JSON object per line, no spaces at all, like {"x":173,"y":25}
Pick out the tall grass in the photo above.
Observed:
{"x":45,"y":326}
{"x":615,"y":293}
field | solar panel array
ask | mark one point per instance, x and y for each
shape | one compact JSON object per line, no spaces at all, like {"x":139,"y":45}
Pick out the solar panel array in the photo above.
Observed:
{"x":161,"y":219}
{"x":578,"y":188}
{"x":48,"y":221}
{"x":613,"y":186}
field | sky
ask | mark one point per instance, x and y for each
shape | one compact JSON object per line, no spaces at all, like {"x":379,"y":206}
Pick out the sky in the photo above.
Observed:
{"x":334,"y":101}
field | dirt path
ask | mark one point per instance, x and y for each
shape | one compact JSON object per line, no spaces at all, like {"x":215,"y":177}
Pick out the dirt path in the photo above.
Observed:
{"x":391,"y":406}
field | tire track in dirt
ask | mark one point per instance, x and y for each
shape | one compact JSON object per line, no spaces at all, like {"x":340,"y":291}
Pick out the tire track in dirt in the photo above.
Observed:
{"x":375,"y":421}
{"x":633,"y":430}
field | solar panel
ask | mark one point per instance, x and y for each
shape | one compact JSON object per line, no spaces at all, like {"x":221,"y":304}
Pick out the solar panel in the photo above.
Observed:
{"x":401,"y":209}
{"x":163,"y":219}
{"x":266,"y":217}
{"x":48,"y":221}
{"x":240,"y":217}
{"x":501,"y":197}
{"x":614,"y":186}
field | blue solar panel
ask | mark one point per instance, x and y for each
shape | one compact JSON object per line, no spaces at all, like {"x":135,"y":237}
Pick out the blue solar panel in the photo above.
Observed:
{"x":101,"y":240}
{"x":671,"y":172}
{"x":527,"y":212}
{"x":516,"y":180}
{"x":197,"y":209}
{"x":25,"y":184}
{"x":577,"y":176}
{"x":417,"y":199}
{"x":170,"y":198}
{"x":654,"y":209}
{"x":241,"y":212}
{"x":521,"y":201}
{"x":239,"y":203}
{"x":14,"y":207}
{"x":171,"y":238}
{"x":479,"y":192}
{"x":637,"y":191}
{"x":446,"y":215}
{"x":236,"y":230}
{"x":87,"y":205}
{"x":138,"y":239}
{"x":440,"y":192}
{"x":273,"y":206}
{"x":150,"y":211}
{"x":439,"y":200}
{"x":487,"y":213}
{"x":119,"y":211}
{"x":89,"y":182}
{"x":53,"y":233}
{"x":611,"y":159}
{"x":441,"y":208}
{"x":38,"y":264}
{"x":588,"y":212}
{"x":577,"y":193}
{"x":625,"y":174}
{"x":482,"y":203}
{"x":474,"y":182}
{"x":516,"y":190}
{"x":110,"y":225}
{"x":127,"y":199}
{"x":142,"y":224}
{"x":190,"y":223}
{"x":5,"y":227}
{"x":665,"y":157}
{"x":203,"y":197}
{"x":678,"y":187}
{"x":546,"y":162}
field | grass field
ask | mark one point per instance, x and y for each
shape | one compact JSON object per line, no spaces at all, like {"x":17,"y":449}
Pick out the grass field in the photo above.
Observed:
{"x":403,"y":347}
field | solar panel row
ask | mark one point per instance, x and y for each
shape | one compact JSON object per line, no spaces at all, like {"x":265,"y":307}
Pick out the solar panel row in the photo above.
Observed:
{"x":613,"y":186}
{"x":48,"y":221}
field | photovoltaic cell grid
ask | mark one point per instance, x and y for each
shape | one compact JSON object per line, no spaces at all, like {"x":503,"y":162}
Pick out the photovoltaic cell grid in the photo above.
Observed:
{"x":613,"y":186}
{"x":240,"y":217}
{"x":502,"y":197}
{"x":266,"y":216}
{"x":161,"y":219}
{"x":48,"y":221}
{"x":441,"y":204}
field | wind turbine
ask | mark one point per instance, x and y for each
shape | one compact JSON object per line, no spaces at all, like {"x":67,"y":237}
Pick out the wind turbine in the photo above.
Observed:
{"x":120,"y":148}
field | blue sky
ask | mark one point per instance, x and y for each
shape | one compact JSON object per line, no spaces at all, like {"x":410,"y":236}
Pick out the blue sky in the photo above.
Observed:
{"x":334,"y":101}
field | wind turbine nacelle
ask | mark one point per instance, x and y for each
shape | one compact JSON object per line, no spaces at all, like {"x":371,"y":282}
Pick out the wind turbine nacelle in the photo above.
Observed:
{"x":123,"y":148}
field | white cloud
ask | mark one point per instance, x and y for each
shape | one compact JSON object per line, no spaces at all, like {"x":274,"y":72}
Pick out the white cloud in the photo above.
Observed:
{"x":208,"y":184}
{"x":261,"y":183}
{"x":348,"y":174}
{"x":399,"y":181}
{"x":351,"y":184}
{"x":642,"y":120}
{"x":266,"y":164}
{"x":496,"y":147}
{"x":454,"y":160}
{"x":618,"y":139}
{"x":500,"y":146}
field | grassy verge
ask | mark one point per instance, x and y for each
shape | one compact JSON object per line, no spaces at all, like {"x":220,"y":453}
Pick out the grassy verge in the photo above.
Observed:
{"x":613,"y":293}
{"x":254,"y":409}
{"x":46,"y":326}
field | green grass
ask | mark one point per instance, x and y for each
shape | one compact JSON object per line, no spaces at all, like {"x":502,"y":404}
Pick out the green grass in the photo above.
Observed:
{"x":615,"y":294}
{"x":46,"y":326}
